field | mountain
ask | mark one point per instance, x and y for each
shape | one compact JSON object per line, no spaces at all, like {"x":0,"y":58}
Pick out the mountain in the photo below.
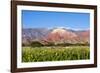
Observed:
{"x":33,"y":34}
{"x":56,"y":35}
{"x":84,"y":35}
{"x":61,"y":35}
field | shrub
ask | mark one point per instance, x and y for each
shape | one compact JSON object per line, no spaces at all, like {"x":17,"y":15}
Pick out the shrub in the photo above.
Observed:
{"x":36,"y":44}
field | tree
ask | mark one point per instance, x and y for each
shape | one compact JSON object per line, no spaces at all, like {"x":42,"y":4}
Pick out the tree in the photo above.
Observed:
{"x":36,"y":44}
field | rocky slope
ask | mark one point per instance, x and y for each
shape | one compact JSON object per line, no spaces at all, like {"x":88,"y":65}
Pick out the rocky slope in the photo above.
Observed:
{"x":57,"y":35}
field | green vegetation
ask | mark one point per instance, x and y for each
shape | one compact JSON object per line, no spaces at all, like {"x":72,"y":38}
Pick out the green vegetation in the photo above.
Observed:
{"x":49,"y":44}
{"x":47,"y":53}
{"x":36,"y":43}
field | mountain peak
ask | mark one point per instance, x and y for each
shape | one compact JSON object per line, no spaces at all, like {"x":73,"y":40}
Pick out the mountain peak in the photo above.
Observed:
{"x":58,"y":30}
{"x":55,"y":35}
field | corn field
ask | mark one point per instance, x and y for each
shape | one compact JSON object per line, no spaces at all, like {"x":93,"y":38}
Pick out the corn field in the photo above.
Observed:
{"x":40,"y":54}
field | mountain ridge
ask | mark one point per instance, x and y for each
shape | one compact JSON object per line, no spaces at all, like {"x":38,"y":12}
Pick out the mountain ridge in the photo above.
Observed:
{"x":55,"y":35}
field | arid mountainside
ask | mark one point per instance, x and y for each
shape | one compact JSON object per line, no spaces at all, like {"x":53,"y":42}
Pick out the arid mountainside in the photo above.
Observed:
{"x":56,"y":35}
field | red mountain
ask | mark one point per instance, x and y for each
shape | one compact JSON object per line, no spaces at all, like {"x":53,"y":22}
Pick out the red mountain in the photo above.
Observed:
{"x":61,"y":35}
{"x":57,"y":35}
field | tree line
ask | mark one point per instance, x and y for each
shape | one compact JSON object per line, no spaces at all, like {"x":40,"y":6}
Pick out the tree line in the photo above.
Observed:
{"x":39,"y":44}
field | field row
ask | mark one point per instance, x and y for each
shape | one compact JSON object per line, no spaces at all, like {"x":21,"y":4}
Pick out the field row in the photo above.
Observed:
{"x":38,"y":54}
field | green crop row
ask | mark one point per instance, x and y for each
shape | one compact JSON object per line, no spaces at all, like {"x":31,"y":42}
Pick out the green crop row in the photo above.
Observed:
{"x":38,"y":54}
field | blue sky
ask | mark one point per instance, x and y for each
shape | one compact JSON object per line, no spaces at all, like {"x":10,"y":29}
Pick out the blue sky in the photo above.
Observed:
{"x":47,"y":19}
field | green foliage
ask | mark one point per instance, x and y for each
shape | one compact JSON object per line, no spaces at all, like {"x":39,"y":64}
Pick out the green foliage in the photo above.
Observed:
{"x":36,"y":44}
{"x":50,"y":44}
{"x":38,"y":54}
